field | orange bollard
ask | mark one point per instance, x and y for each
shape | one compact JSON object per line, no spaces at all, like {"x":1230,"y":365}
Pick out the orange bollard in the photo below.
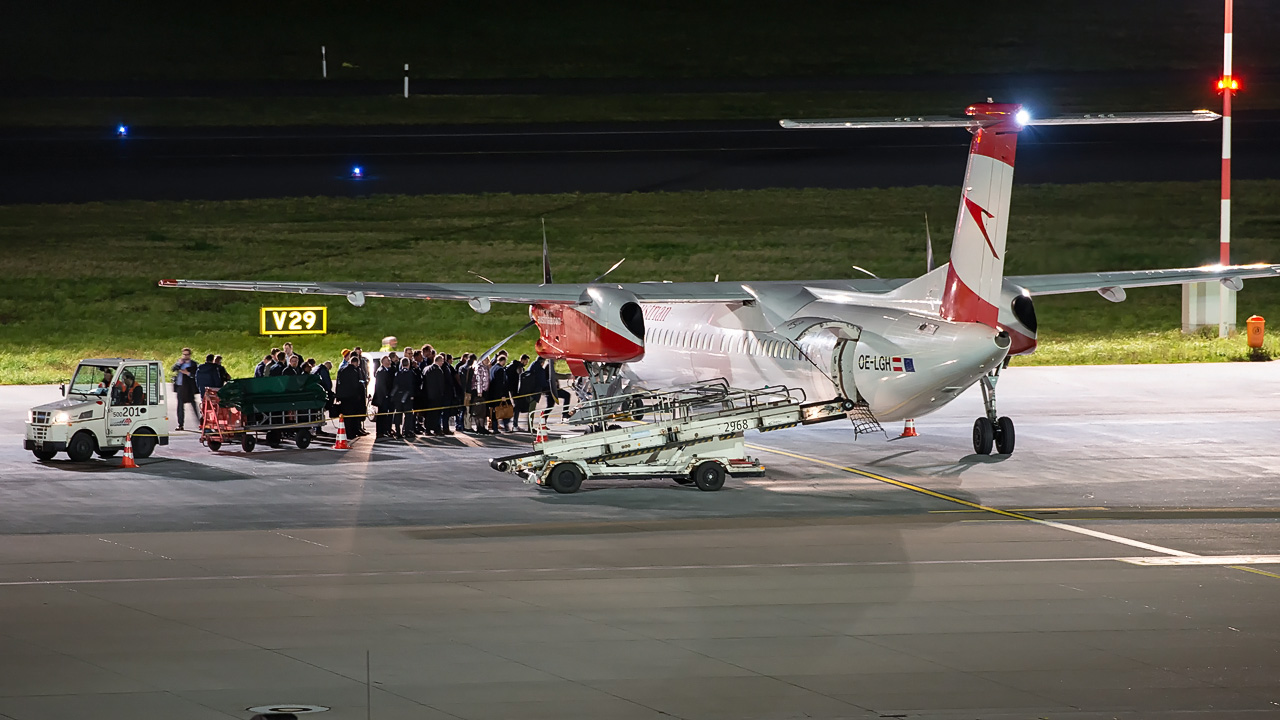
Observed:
{"x":909,"y":430}
{"x":1257,"y":326}
{"x":127,"y":461}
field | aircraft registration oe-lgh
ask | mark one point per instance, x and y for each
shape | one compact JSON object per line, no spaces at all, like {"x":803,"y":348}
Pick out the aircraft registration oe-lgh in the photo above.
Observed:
{"x":888,"y":349}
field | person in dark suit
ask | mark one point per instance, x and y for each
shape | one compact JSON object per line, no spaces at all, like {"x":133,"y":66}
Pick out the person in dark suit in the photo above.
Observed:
{"x":293,"y":366}
{"x":383,"y":382}
{"x":499,"y":390}
{"x":435,"y":382}
{"x":350,"y":393}
{"x":402,"y":392}
{"x":514,"y":371}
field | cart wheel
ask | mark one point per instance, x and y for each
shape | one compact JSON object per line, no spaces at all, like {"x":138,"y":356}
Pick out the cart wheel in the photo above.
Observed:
{"x":302,"y":438}
{"x":565,"y":478}
{"x":213,"y":444}
{"x":273,"y":438}
{"x":248,"y":442}
{"x":708,"y":476}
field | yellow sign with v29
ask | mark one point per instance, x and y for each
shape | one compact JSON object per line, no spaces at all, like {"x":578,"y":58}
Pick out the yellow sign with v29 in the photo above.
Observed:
{"x":294,"y":321}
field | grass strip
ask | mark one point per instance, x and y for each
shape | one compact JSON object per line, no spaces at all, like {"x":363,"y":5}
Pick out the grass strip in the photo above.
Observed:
{"x":81,"y":278}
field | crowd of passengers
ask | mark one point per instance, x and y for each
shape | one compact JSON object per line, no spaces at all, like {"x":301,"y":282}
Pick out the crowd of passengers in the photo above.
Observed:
{"x":413,"y":392}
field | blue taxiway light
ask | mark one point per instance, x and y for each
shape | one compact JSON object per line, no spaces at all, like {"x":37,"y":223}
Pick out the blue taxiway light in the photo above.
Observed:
{"x":122,"y":130}
{"x":357,"y":172}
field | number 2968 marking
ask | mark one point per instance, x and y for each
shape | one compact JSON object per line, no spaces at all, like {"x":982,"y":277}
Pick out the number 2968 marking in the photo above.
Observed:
{"x":736,"y":426}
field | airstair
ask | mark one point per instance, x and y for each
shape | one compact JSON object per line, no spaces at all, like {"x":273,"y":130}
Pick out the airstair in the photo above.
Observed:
{"x":692,"y":434}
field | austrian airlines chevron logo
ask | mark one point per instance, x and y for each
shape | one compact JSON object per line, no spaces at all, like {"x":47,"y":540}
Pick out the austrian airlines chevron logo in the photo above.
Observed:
{"x":977,"y":213}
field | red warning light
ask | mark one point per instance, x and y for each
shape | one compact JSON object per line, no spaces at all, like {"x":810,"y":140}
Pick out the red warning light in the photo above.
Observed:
{"x":1229,"y":83}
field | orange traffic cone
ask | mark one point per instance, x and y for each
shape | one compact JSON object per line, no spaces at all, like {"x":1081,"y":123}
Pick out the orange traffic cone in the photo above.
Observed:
{"x":128,"y":462}
{"x":342,"y":443}
{"x":909,"y":430}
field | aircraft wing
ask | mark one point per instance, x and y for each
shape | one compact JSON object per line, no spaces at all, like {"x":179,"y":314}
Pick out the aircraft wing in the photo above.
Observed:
{"x":1095,"y":282}
{"x":523,"y":293}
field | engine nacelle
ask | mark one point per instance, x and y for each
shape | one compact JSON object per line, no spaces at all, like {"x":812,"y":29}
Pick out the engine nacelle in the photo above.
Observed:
{"x":607,"y":325}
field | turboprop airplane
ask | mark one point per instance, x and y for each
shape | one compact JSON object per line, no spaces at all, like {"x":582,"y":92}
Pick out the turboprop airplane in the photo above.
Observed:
{"x":886,"y":349}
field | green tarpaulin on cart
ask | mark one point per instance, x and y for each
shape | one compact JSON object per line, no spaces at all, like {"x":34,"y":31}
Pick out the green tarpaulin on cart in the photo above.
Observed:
{"x":273,"y":394}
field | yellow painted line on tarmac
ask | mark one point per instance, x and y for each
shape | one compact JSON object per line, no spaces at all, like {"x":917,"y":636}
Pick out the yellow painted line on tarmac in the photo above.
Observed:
{"x":899,"y":483}
{"x":1013,"y":514}
{"x":1022,"y":510}
{"x":1255,"y":571}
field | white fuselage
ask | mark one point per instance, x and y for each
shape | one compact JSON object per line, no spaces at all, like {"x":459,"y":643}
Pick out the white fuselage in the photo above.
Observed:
{"x":895,"y":354}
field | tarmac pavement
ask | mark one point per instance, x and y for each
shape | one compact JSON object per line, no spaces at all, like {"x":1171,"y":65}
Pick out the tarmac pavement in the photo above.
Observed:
{"x":1093,"y":573}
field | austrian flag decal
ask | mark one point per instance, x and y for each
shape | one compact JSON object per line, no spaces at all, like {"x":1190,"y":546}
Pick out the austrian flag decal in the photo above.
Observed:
{"x":903,"y":364}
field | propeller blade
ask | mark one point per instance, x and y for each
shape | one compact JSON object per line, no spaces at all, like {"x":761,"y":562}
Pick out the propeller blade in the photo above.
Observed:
{"x":546,"y":257}
{"x":928,"y":246}
{"x":606,"y":272}
{"x":505,"y":340}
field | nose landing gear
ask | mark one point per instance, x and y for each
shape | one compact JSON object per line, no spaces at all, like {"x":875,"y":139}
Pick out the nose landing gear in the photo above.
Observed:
{"x":992,"y":429}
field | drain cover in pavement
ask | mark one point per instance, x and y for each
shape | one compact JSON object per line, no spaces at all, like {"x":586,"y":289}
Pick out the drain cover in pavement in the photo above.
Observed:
{"x":288,"y":708}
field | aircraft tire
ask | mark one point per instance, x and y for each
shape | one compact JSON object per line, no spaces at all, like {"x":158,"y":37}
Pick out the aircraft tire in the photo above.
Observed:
{"x":983,"y":435}
{"x":1004,"y":436}
{"x":565,"y":478}
{"x":708,"y":476}
{"x":81,"y":446}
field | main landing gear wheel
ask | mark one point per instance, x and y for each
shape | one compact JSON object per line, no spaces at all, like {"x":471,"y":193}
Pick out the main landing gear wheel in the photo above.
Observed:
{"x":565,"y":478}
{"x":983,"y":435}
{"x":1004,"y":436}
{"x":708,"y":476}
{"x":991,"y":429}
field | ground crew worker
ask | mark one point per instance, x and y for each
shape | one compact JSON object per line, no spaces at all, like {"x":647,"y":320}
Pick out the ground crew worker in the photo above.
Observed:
{"x":128,"y":391}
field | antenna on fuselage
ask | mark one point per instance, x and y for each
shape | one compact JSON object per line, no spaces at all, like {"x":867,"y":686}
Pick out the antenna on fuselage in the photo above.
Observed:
{"x":928,"y":246}
{"x":546,"y":256}
{"x":859,"y":269}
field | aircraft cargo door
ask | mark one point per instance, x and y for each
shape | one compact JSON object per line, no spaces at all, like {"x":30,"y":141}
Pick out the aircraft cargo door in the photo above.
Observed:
{"x":832,"y":346}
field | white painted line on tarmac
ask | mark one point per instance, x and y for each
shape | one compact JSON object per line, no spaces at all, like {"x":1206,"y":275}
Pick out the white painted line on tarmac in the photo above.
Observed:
{"x":978,"y":506}
{"x":1205,"y":560}
{"x":547,"y":570}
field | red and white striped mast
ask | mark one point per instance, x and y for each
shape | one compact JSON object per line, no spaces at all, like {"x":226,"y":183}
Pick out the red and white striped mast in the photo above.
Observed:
{"x":1227,"y":85}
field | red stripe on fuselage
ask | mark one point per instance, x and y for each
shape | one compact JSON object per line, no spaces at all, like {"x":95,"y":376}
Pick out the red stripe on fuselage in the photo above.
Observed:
{"x":565,"y":333}
{"x":962,"y":304}
{"x":1020,"y":344}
